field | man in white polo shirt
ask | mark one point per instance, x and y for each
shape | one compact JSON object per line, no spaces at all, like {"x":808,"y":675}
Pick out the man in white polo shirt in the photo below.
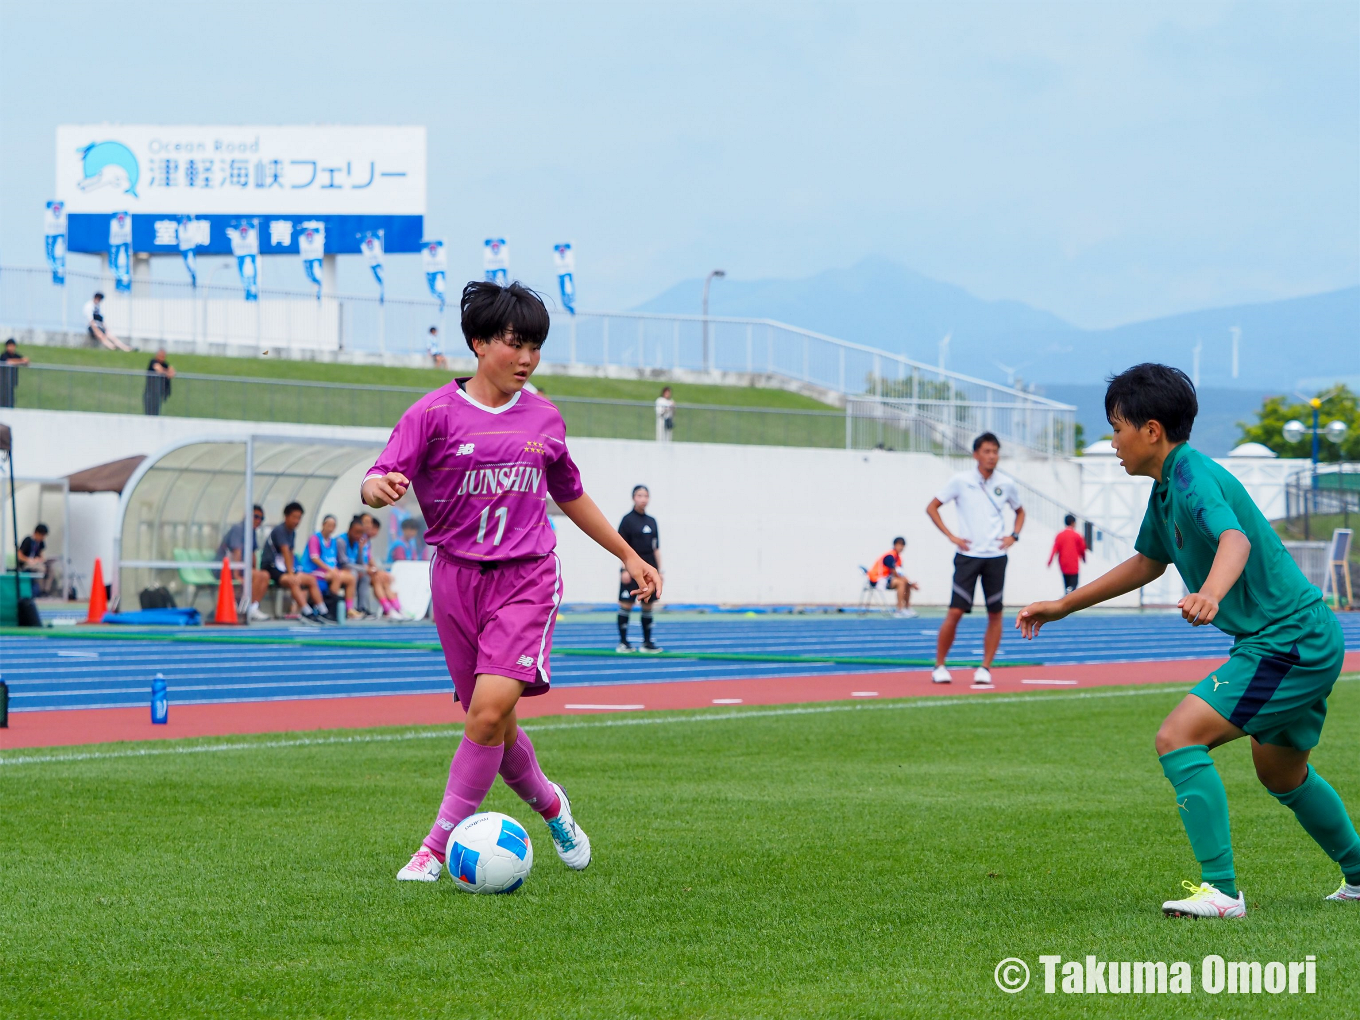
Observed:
{"x":980,"y":498}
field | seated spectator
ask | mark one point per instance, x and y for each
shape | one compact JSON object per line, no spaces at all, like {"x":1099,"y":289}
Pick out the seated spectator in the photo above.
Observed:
{"x":233,"y":546}
{"x":32,"y":560}
{"x":325,"y":560}
{"x":435,"y":350}
{"x":888,"y":567}
{"x":94,"y":325}
{"x":158,"y":376}
{"x":10,"y":360}
{"x":408,"y":546}
{"x":281,"y":566}
{"x":373,"y":583}
{"x":373,"y":528}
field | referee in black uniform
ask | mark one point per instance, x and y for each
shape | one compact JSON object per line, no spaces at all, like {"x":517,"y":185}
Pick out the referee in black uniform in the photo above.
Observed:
{"x":640,"y":532}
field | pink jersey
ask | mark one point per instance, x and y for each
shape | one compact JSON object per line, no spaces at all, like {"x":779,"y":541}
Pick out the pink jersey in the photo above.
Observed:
{"x":483,"y":475}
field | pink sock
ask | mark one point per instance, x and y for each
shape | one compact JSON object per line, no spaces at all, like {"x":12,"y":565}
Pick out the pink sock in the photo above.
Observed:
{"x":386,"y":605}
{"x":471,"y":774}
{"x":521,"y":773}
{"x":396,"y":603}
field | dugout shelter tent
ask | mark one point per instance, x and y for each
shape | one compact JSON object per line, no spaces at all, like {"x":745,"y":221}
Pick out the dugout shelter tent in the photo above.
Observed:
{"x":180,"y":501}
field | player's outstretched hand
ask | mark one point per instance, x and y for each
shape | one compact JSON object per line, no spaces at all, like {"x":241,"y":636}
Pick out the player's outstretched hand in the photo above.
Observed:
{"x":384,"y":490}
{"x":1198,"y":609}
{"x":646,"y":577}
{"x":1035,"y":615}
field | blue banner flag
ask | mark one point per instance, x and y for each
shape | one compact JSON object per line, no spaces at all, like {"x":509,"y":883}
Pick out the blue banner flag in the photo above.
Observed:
{"x":564,"y":261}
{"x":54,"y":230}
{"x":311,"y":242}
{"x":496,"y":260}
{"x":436,"y":265}
{"x":245,"y":245}
{"x":191,"y":233}
{"x":371,"y":245}
{"x":120,"y":250}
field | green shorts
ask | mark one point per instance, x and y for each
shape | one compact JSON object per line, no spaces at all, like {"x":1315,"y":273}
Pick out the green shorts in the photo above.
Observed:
{"x":1276,"y":683}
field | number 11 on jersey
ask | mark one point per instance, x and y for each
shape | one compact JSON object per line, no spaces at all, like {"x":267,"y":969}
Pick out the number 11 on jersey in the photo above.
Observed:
{"x":500,"y":528}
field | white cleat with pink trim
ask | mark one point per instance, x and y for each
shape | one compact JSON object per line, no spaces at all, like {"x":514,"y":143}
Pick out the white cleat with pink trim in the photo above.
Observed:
{"x":423,"y":866}
{"x":1206,"y":901}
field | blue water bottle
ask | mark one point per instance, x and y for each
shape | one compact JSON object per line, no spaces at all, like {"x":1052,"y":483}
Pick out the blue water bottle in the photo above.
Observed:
{"x":160,"y":701}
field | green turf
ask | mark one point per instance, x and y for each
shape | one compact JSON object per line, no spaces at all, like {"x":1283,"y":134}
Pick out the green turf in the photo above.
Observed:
{"x":866,"y":860}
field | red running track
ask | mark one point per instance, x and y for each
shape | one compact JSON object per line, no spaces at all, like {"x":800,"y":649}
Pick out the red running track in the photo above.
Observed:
{"x":104,"y":725}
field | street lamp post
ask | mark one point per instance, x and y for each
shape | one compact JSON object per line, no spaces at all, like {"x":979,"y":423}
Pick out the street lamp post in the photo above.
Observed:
{"x":716,"y":274}
{"x":1294,"y":430}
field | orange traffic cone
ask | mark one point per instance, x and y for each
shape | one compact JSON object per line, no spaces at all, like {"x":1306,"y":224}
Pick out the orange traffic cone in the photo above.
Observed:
{"x":99,"y":602}
{"x":226,"y":598}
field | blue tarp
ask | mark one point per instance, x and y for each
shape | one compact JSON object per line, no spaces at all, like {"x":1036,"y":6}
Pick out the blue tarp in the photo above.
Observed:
{"x":157,"y":617}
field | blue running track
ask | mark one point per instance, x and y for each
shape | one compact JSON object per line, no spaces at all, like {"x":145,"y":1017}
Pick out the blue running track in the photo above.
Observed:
{"x":93,"y":672}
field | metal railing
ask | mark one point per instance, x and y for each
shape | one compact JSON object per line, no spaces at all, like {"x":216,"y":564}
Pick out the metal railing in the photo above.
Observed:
{"x":915,"y":406}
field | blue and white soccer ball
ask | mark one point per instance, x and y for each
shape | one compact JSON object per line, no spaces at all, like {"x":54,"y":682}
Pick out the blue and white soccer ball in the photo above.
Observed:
{"x":489,"y":853}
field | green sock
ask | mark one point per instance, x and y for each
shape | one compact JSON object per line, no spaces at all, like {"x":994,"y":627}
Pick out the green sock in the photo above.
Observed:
{"x":1203,"y":807}
{"x":1320,"y":811}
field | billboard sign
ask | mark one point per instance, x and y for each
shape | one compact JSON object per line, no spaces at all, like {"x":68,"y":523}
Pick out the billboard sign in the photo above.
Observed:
{"x":354,"y":179}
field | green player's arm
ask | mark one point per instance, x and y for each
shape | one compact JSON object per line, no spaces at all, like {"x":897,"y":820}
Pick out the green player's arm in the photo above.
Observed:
{"x":586,"y":515}
{"x":1129,"y":576}
{"x":1201,"y":607}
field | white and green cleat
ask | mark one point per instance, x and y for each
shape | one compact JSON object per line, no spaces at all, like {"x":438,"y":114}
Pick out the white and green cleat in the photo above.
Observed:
{"x":1346,"y":893}
{"x":570,"y":841}
{"x":1206,"y":901}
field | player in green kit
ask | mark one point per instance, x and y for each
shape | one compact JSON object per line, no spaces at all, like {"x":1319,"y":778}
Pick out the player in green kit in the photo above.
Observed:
{"x":1287,"y":654}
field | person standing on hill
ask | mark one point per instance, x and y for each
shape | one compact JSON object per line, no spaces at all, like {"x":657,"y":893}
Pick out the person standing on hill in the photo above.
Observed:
{"x":10,"y":360}
{"x":159,"y":372}
{"x":1070,"y":548}
{"x":665,"y":415}
{"x":981,"y":497}
{"x":643,"y":537}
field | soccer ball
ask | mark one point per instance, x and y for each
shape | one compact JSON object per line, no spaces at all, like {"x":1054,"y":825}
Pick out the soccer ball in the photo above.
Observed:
{"x":489,"y":853}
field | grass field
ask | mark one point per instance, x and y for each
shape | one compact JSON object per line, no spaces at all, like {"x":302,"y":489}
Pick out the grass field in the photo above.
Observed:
{"x":866,"y":860}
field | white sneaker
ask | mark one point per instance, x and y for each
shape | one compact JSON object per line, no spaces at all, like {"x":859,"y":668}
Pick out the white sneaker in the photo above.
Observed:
{"x":982,"y":677}
{"x":941,"y":675}
{"x":572,"y":844}
{"x":254,"y":615}
{"x":905,"y":614}
{"x":424,"y":866}
{"x":1206,"y":901}
{"x":1346,"y":892}
{"x":623,"y":646}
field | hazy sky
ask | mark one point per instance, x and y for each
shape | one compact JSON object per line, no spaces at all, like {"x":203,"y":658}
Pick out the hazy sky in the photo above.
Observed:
{"x":1106,"y":161}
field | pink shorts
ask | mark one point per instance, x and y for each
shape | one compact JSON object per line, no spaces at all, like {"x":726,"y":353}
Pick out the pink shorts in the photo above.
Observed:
{"x":496,"y":618}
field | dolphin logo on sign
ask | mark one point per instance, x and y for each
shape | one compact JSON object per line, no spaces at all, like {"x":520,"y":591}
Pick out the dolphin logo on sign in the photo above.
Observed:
{"x":109,"y":165}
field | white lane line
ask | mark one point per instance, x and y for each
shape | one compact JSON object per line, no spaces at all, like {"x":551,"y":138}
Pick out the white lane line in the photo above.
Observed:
{"x":1052,"y":683}
{"x":864,"y":694}
{"x":641,"y":720}
{"x":727,"y":701}
{"x":77,"y":655}
{"x":606,"y":708}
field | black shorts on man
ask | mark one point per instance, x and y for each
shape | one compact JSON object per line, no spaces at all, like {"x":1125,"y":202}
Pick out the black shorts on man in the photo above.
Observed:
{"x":967,"y":570}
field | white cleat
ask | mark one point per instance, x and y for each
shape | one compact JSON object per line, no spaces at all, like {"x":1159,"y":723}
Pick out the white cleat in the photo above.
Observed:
{"x":941,"y":676}
{"x":1346,"y":893}
{"x":622,"y":647}
{"x":255,"y":615}
{"x":424,"y":866}
{"x":1206,"y":901}
{"x":571,"y":842}
{"x":982,"y":677}
{"x":905,"y":614}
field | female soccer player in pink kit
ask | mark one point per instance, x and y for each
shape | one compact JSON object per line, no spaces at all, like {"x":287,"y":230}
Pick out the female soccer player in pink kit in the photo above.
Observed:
{"x":484,"y":456}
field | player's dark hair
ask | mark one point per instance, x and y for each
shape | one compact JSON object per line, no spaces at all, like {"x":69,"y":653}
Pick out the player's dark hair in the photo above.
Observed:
{"x":1069,"y":520}
{"x":357,"y":519}
{"x":899,"y":538}
{"x":1151,"y":392}
{"x":641,"y":488}
{"x":257,"y":509}
{"x":11,"y":342}
{"x":291,"y":507}
{"x":99,"y":294}
{"x":410,"y":523}
{"x":41,"y":529}
{"x":986,"y":437}
{"x":490,"y":310}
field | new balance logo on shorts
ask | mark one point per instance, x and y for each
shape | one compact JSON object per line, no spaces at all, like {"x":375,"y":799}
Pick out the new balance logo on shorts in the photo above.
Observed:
{"x":464,"y":449}
{"x":526,"y":661}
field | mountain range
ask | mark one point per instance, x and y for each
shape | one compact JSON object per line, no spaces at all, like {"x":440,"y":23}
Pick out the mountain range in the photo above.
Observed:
{"x":1302,"y":342}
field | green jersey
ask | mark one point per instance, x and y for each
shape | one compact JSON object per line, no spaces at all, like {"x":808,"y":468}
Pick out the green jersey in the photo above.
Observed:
{"x":1194,"y":503}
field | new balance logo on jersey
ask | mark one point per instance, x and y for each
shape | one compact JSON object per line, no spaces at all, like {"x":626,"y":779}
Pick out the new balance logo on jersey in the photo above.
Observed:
{"x":464,"y":449}
{"x":492,"y":481}
{"x":526,"y":661}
